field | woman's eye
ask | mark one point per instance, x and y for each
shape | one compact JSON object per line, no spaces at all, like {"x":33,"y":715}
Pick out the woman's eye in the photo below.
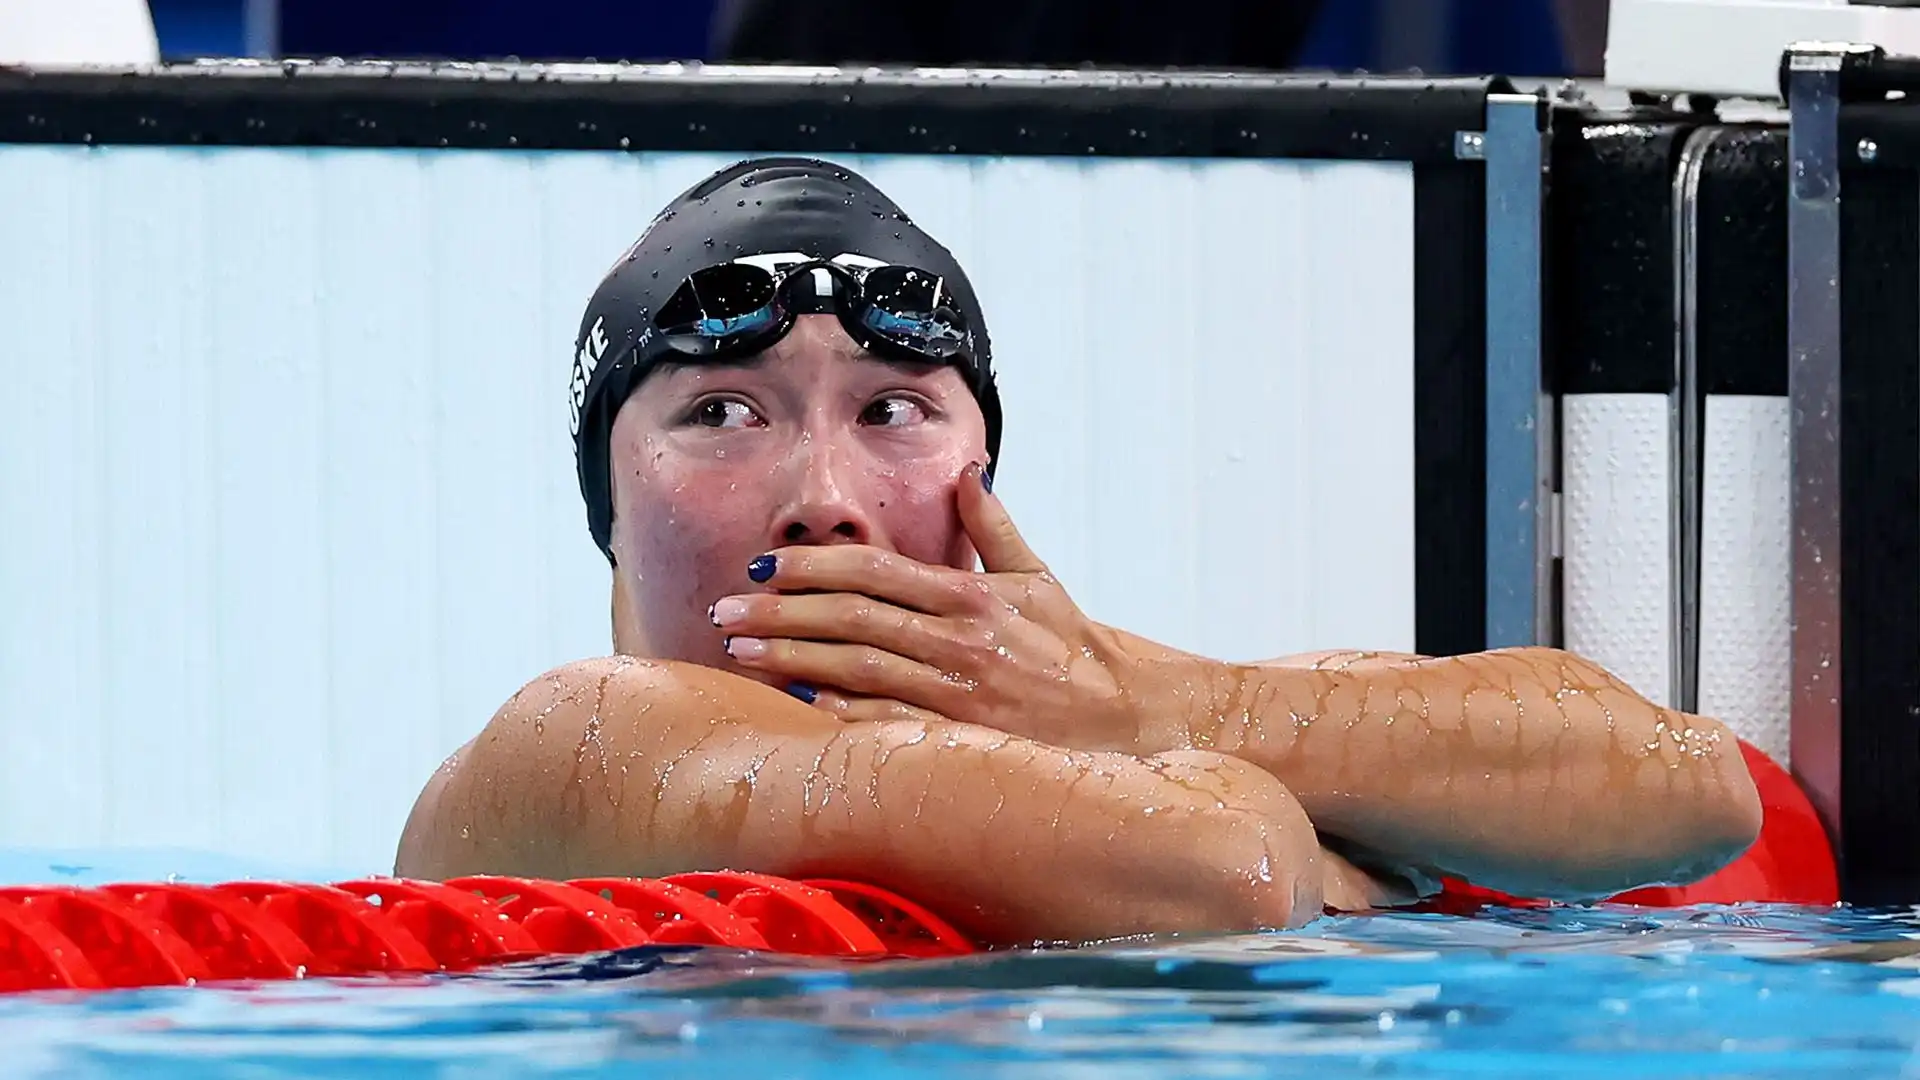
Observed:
{"x":893,"y":410}
{"x":724,"y":413}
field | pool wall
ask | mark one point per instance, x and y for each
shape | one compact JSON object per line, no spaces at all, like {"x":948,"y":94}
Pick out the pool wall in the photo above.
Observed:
{"x":289,"y":504}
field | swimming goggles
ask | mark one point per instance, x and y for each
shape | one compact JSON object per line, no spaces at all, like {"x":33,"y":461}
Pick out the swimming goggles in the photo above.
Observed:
{"x":733,"y":309}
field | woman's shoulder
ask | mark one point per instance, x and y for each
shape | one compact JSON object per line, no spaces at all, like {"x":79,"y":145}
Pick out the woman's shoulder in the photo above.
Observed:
{"x":604,"y":694}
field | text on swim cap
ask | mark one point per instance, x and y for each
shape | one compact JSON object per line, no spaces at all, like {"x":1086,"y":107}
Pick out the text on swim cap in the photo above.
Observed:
{"x":585,"y":360}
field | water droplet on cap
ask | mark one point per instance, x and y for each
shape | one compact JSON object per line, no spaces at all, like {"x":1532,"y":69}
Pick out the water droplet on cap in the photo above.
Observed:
{"x":742,"y":202}
{"x":709,"y":241}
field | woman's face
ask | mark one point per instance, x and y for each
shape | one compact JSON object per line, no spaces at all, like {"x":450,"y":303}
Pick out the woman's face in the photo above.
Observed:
{"x":812,"y":442}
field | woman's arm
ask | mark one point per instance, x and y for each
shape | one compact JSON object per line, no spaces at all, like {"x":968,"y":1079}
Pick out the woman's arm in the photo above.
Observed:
{"x":1530,"y":771}
{"x":641,"y":768}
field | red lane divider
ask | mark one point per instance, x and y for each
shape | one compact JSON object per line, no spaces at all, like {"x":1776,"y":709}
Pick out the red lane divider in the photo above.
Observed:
{"x":904,"y":927}
{"x":37,"y":955}
{"x":792,"y":917}
{"x":674,"y":914}
{"x":141,"y":934}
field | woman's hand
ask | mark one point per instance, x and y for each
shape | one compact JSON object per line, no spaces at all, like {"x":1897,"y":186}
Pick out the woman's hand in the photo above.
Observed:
{"x":873,"y":635}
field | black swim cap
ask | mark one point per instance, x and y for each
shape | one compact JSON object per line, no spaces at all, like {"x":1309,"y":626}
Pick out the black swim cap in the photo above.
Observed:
{"x":763,"y":206}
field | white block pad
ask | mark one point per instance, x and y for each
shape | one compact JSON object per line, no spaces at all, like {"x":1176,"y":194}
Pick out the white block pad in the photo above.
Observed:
{"x":1618,"y":514}
{"x":1745,"y":570}
{"x":61,"y":33}
{"x":1733,"y":47}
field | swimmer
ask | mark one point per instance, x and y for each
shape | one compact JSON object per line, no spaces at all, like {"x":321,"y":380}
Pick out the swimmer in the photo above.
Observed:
{"x":834,"y":654}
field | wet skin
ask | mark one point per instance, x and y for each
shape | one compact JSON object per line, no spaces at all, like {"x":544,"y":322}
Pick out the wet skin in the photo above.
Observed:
{"x":978,"y":743}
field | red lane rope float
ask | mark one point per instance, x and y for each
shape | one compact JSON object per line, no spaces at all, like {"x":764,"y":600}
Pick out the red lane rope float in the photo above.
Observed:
{"x":140,"y":934}
{"x":345,"y":934}
{"x":675,"y":915}
{"x":904,"y":927}
{"x":792,"y":917}
{"x":461,"y":929}
{"x":233,"y":939}
{"x":124,"y":945}
{"x":560,"y":918}
{"x":36,"y":955}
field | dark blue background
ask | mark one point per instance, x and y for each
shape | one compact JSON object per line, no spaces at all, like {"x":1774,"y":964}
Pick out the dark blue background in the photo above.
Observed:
{"x":1515,"y":37}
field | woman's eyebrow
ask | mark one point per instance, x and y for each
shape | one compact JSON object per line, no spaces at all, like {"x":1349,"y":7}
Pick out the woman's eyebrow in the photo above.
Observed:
{"x":671,"y":368}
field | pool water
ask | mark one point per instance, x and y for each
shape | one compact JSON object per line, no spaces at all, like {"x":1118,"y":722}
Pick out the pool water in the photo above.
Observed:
{"x":1611,"y":992}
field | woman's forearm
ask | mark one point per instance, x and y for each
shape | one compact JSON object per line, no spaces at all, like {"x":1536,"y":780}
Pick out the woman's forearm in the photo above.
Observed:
{"x":1016,"y":841}
{"x":648,"y":769}
{"x":1528,"y":770}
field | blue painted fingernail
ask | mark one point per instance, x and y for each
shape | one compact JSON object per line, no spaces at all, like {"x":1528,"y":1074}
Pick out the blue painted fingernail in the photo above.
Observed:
{"x":761,"y":568}
{"x":803,"y":692}
{"x":986,"y":479}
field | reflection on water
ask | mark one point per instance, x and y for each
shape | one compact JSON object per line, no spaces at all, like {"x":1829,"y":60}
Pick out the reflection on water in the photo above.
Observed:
{"x":1753,"y":991}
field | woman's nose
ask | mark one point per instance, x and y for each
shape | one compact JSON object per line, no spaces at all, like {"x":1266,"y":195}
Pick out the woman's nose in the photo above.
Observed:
{"x":826,"y":507}
{"x":808,"y":529}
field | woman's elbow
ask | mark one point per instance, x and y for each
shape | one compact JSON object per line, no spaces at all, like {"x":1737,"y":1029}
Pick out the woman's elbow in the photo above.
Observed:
{"x":1253,"y":855}
{"x":1260,"y":875}
{"x":1677,"y":832}
{"x":1730,"y":814}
